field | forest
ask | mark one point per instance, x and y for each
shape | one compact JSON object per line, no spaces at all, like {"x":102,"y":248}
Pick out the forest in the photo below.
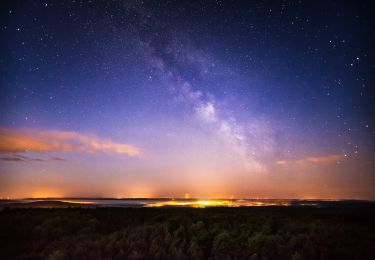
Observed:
{"x":188,"y":233}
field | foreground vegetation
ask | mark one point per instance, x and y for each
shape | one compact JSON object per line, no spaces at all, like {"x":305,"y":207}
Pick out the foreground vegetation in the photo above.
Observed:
{"x":187,"y":233}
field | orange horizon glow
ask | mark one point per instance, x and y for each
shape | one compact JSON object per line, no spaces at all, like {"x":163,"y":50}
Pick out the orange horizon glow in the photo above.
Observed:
{"x":148,"y":193}
{"x":226,"y":201}
{"x":183,"y":172}
{"x":216,"y":203}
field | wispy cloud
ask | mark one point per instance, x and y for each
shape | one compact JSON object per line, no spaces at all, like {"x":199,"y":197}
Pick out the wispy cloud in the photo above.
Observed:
{"x":321,"y":160}
{"x":12,"y":158}
{"x":22,"y":158}
{"x":57,"y":159}
{"x":23,"y":140}
{"x":282,"y":162}
{"x":328,"y":159}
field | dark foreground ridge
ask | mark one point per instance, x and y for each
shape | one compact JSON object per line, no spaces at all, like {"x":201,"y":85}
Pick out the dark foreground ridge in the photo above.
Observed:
{"x":188,"y":233}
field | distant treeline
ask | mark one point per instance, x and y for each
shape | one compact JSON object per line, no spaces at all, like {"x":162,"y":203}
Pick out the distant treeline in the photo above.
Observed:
{"x":188,"y":233}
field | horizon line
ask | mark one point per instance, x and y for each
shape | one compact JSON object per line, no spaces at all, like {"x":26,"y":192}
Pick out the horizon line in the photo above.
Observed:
{"x":180,"y":198}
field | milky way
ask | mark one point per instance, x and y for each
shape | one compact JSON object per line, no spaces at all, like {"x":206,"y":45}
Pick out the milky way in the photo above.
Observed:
{"x":218,"y":99}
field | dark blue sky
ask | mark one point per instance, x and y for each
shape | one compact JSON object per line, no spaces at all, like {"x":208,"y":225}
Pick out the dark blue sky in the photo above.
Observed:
{"x":225,"y":90}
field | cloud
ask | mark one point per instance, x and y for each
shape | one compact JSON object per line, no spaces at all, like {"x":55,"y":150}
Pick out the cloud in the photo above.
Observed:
{"x":23,"y":140}
{"x":281,"y":162}
{"x":20,"y":158}
{"x":321,"y":160}
{"x":326,"y":160}
{"x":23,"y":158}
{"x":57,"y":159}
{"x":12,"y":159}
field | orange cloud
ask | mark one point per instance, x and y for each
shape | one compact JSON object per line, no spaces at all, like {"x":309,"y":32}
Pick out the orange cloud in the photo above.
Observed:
{"x":281,"y":162}
{"x":322,"y":160}
{"x":328,"y":159}
{"x":21,"y":140}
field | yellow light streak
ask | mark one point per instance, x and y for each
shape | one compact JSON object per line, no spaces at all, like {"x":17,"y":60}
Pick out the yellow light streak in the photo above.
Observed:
{"x":216,"y":203}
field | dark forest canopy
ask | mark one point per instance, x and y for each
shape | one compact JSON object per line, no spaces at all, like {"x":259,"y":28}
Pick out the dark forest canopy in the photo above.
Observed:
{"x":187,"y":233}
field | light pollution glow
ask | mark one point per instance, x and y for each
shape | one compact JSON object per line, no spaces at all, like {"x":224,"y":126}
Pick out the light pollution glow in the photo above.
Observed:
{"x":216,"y":203}
{"x":207,"y":173}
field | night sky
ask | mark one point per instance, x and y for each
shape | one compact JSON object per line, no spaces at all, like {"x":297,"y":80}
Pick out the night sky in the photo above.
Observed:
{"x":208,"y":99}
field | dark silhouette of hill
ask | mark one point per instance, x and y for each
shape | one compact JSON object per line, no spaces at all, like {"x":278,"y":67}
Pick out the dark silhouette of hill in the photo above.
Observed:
{"x":44,"y":204}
